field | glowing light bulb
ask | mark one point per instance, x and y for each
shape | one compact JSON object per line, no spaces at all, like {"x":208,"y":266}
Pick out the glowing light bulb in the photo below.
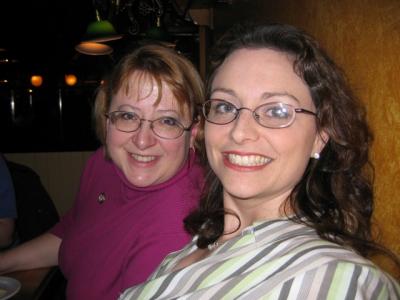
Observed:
{"x":36,"y":80}
{"x":70,"y":79}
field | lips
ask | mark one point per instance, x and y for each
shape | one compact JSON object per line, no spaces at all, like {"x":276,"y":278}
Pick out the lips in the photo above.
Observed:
{"x":143,"y":158}
{"x":247,"y":160}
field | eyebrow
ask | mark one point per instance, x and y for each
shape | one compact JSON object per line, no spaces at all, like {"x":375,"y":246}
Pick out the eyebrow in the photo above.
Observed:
{"x":175,"y":112}
{"x":264,"y":95}
{"x":267,"y":95}
{"x":224,"y":90}
{"x":125,"y":106}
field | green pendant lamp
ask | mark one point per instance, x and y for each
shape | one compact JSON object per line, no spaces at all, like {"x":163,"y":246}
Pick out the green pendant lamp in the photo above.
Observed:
{"x":97,"y":33}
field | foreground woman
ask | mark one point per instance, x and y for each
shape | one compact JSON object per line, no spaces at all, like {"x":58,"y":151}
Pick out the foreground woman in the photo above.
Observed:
{"x":288,"y":204}
{"x":135,"y":191}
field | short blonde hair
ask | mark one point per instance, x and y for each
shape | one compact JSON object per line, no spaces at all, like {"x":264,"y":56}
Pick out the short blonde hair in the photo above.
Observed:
{"x":158,"y":63}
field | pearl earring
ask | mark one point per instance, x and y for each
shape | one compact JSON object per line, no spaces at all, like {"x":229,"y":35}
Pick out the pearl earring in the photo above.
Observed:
{"x":316,"y":155}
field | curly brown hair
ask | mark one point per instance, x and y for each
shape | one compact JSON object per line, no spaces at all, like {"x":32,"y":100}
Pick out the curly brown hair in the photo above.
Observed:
{"x":335,"y":194}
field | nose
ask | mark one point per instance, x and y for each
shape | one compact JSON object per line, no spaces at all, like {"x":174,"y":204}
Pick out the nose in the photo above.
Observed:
{"x":144,"y":137}
{"x":245,"y":127}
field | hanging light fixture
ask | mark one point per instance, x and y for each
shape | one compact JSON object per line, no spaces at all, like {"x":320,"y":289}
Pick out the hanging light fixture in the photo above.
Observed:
{"x":93,"y":48}
{"x":97,"y":33}
{"x":158,"y":32}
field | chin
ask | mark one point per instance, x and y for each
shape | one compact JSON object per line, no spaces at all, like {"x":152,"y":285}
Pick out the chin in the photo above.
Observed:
{"x":141,"y":181}
{"x":240,"y":192}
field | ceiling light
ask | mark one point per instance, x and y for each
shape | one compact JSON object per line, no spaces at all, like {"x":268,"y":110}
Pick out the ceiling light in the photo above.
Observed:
{"x":96,"y":33}
{"x":93,"y":48}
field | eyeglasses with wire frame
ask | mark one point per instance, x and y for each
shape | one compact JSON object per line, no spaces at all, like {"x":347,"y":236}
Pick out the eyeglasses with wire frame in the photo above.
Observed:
{"x":269,"y":115}
{"x":164,"y":127}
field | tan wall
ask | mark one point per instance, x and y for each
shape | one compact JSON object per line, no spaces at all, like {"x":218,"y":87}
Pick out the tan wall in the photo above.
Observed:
{"x":363,"y":36}
{"x":59,"y":172}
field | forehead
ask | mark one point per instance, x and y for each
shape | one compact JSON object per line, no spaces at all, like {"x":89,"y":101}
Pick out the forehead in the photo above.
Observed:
{"x":252,"y":73}
{"x":143,"y":87}
{"x":140,"y":86}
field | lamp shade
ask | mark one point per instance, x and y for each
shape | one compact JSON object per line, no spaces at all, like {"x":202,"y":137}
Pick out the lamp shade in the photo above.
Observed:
{"x":157,"y":33}
{"x":98,"y":32}
{"x":93,"y":48}
{"x":101,"y":31}
{"x":160,"y":34}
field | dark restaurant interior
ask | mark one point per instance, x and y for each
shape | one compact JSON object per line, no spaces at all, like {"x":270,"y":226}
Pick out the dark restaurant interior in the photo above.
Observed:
{"x":46,"y":120}
{"x":42,"y":38}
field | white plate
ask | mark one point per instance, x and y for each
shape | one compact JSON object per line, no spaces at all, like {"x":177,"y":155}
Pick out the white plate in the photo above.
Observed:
{"x":8,"y":287}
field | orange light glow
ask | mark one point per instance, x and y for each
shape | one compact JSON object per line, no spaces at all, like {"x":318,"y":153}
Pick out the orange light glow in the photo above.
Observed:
{"x":70,"y":79}
{"x":36,"y":80}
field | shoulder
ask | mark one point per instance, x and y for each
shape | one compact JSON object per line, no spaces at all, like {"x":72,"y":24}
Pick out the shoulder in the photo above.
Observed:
{"x":336,"y":272}
{"x":5,"y":175}
{"x":98,"y":156}
{"x":310,"y":264}
{"x":334,"y":280}
{"x":97,"y":161}
{"x":326,"y":272}
{"x":347,"y":279}
{"x":97,"y":172}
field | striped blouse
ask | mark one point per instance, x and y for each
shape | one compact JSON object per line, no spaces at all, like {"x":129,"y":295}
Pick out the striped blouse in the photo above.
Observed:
{"x":276,"y":259}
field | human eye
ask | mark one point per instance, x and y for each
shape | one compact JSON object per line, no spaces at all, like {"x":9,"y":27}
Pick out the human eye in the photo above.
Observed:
{"x":127,"y":116}
{"x":168,"y":122}
{"x":279,"y":111}
{"x":223,"y":107}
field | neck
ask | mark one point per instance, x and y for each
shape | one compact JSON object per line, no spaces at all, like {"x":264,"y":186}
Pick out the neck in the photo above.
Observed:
{"x":244,"y":212}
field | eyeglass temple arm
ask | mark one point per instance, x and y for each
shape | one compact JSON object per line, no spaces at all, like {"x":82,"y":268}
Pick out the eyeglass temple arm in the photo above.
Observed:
{"x":305,"y":111}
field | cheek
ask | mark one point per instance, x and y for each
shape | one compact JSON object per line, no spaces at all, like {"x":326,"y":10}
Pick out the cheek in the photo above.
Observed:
{"x":214,"y":138}
{"x":294,"y":148}
{"x":208,"y":139}
{"x":172,"y":148}
{"x":116,"y":139}
{"x":175,"y":154}
{"x":213,"y":134}
{"x":175,"y":148}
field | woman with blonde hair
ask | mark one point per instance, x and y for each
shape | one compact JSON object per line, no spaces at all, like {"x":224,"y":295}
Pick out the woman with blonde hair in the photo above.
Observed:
{"x":136,"y":190}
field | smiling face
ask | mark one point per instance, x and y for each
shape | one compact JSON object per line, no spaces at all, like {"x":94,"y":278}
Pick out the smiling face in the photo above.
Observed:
{"x":258,"y":164}
{"x":143,"y":157}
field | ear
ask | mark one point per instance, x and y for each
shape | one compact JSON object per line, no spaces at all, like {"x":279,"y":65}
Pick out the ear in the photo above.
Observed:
{"x":106,"y":125}
{"x":193,"y":134}
{"x":320,"y":141}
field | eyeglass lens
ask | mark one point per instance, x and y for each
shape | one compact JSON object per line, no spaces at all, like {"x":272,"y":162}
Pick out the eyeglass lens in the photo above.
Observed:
{"x":271,"y":115}
{"x":165,"y":127}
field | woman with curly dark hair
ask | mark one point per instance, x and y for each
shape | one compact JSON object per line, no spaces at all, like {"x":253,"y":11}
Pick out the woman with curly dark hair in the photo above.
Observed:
{"x":288,"y":206}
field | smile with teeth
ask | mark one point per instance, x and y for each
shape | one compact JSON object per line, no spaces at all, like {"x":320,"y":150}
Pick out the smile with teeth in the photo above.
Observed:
{"x":248,"y":160}
{"x":143,"y":158}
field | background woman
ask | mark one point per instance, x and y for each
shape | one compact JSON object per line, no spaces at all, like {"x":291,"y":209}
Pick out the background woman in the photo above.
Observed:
{"x":287,"y":212}
{"x":135,"y":191}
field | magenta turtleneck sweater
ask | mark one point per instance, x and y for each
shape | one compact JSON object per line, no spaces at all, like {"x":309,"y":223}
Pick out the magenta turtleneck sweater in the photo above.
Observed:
{"x":111,"y":245}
